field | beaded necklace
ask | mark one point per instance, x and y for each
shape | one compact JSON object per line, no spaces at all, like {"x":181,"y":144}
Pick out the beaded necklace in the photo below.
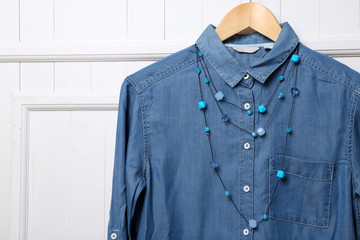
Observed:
{"x":262,"y":108}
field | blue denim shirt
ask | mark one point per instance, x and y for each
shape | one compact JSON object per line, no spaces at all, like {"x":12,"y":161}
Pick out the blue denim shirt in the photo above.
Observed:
{"x":163,"y":187}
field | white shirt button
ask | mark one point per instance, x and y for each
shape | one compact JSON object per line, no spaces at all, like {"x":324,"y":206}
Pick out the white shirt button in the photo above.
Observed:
{"x":246,"y":231}
{"x":246,"y":145}
{"x":246,"y":188}
{"x":246,"y":76}
{"x":247,"y":106}
{"x":113,"y":236}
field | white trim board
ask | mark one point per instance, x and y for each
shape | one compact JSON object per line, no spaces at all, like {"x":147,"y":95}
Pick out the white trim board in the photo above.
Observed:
{"x":22,"y":104}
{"x":344,"y":46}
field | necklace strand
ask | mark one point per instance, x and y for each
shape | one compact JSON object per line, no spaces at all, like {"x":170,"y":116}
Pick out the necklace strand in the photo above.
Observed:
{"x":213,"y":164}
{"x":281,"y":95}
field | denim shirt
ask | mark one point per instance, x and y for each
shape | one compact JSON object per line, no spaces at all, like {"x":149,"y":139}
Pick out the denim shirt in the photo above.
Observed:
{"x":163,"y":187}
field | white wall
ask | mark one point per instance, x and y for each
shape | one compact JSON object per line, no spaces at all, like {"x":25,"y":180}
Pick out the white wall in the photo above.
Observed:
{"x":61,"y":66}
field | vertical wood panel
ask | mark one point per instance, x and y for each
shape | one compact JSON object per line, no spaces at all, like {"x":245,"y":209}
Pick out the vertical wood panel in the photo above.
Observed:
{"x":73,"y":20}
{"x":9,"y":75}
{"x":191,"y":24}
{"x":36,"y":20}
{"x":339,"y":17}
{"x":72,"y":76}
{"x":146,"y":19}
{"x":87,"y":175}
{"x":108,"y":76}
{"x":49,"y":178}
{"x":109,"y":19}
{"x":36,"y":76}
{"x":303,"y":18}
{"x":110,"y":137}
{"x":222,"y":8}
{"x":9,"y":21}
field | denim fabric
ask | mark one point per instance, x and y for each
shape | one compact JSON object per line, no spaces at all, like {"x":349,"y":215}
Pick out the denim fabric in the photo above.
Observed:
{"x":163,"y":187}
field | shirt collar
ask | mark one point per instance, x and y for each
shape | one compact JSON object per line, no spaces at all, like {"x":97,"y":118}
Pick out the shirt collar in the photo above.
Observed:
{"x":230,"y":69}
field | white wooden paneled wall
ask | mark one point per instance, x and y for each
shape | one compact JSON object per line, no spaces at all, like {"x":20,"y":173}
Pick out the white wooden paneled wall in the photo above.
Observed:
{"x":62,"y":63}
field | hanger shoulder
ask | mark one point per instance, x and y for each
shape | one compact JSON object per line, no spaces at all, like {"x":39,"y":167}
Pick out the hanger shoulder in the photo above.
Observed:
{"x":264,"y":22}
{"x":247,"y":18}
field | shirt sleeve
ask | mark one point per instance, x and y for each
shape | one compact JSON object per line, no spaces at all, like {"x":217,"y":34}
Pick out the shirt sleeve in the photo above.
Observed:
{"x":355,"y":141}
{"x":128,"y":173}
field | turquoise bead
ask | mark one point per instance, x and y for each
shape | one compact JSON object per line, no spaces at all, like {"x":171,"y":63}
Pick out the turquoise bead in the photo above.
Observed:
{"x":227,"y":193}
{"x":207,"y":129}
{"x":281,"y":77}
{"x":219,"y":96}
{"x":207,"y":80}
{"x":253,"y":134}
{"x":281,"y":95}
{"x":295,"y":58}
{"x":262,"y":109}
{"x":249,"y":112}
{"x":200,"y":54}
{"x":280,"y":174}
{"x":198,"y":70}
{"x":288,"y":129}
{"x":252,"y":223}
{"x":264,"y":216}
{"x":202,"y":104}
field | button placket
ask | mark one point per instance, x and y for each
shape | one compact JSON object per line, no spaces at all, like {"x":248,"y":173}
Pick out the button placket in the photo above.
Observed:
{"x":246,"y":197}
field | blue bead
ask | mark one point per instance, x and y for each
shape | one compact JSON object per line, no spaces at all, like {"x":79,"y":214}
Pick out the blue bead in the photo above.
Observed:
{"x":252,"y":223}
{"x":207,"y":80}
{"x":202,"y":104}
{"x":200,"y":54}
{"x":213,"y":164}
{"x":264,"y":216}
{"x":249,"y":112}
{"x":281,"y":95}
{"x":227,"y":193}
{"x":295,"y":91}
{"x":224,"y":117}
{"x":295,"y":58}
{"x":198,"y":70}
{"x":280,"y":174}
{"x":219,"y":96}
{"x":253,"y":134}
{"x":260,"y":131}
{"x":288,"y":129}
{"x":281,"y":77}
{"x":262,"y":109}
{"x":207,"y":129}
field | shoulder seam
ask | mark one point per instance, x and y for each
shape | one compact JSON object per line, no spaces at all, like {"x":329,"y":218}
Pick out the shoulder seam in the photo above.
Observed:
{"x":141,"y":86}
{"x":316,"y":67}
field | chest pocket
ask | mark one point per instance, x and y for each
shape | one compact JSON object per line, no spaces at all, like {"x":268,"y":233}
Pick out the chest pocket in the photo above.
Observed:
{"x":303,"y":196}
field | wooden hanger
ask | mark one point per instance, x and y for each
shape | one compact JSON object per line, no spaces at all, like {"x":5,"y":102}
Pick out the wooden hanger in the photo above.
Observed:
{"x":247,"y":18}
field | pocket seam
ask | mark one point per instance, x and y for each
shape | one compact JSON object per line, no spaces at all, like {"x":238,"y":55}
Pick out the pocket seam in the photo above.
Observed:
{"x":296,"y":175}
{"x":330,"y":167}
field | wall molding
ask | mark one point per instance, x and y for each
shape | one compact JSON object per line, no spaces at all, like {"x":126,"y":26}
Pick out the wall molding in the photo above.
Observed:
{"x":22,"y":104}
{"x":135,"y":50}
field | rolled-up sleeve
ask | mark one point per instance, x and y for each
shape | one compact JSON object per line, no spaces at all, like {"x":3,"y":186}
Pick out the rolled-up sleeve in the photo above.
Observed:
{"x":129,"y":165}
